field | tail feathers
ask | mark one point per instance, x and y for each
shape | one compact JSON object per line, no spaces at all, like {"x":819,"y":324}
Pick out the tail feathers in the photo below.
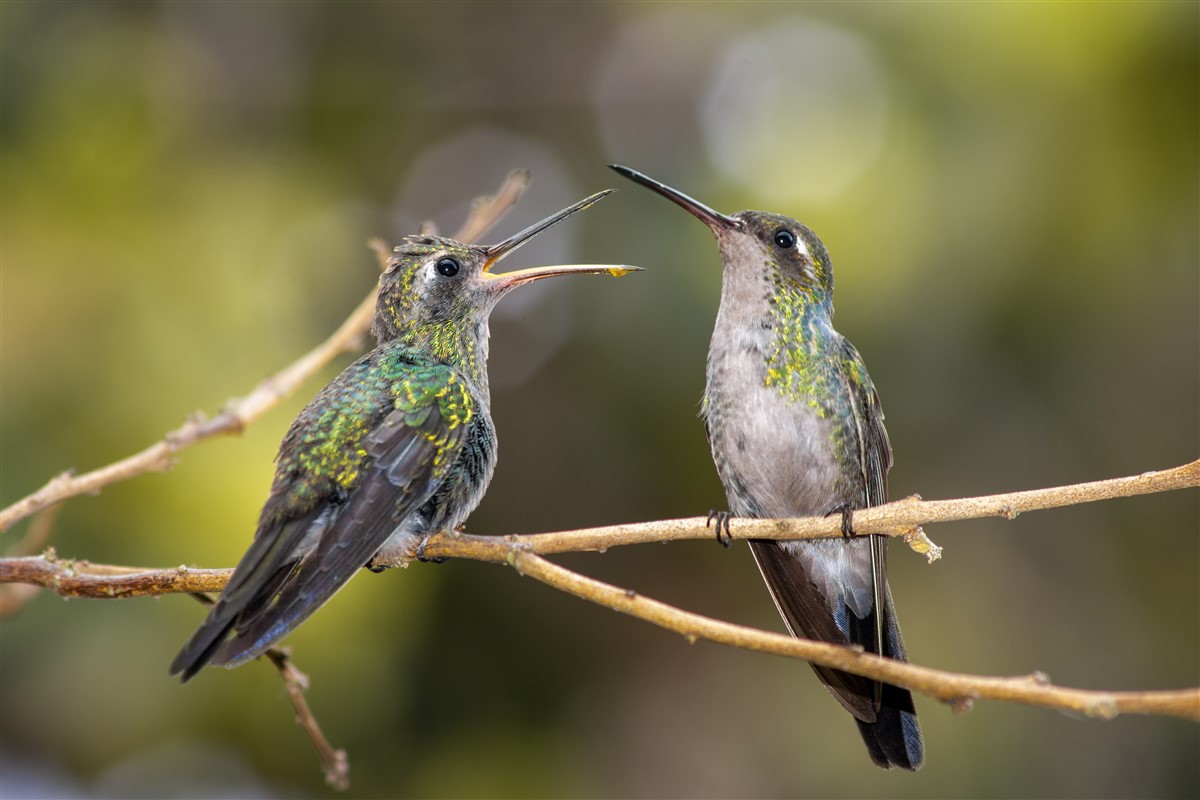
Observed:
{"x":211,"y":638}
{"x":885,"y":713}
{"x":269,"y":561}
{"x":200,"y":648}
{"x":894,"y":738}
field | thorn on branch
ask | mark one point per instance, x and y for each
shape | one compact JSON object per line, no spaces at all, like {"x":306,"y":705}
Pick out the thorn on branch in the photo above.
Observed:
{"x":961,"y":705}
{"x":1038,"y":678}
{"x":61,"y":480}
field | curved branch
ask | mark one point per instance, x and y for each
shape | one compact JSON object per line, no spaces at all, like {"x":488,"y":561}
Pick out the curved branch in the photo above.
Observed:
{"x":239,"y":413}
{"x":954,"y":688}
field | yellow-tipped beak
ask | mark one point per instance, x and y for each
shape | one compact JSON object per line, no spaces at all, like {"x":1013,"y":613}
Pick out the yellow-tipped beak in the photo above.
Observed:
{"x":504,"y":281}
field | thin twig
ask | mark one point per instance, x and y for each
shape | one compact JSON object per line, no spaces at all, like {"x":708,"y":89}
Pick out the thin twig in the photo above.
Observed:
{"x":334,"y":762}
{"x":240,"y":413}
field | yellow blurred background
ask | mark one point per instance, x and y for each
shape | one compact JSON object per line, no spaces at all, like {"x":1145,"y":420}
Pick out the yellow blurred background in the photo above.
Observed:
{"x":1011,"y":196}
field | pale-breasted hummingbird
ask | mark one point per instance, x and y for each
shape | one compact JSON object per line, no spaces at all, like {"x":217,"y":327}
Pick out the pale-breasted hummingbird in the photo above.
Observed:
{"x":796,"y":429}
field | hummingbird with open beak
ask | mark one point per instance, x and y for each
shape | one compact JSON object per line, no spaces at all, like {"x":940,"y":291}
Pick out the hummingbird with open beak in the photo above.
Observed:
{"x":796,"y":429}
{"x":400,"y":444}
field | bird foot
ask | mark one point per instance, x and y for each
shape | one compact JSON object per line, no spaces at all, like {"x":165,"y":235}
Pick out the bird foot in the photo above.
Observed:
{"x":847,"y":519}
{"x":399,"y":551}
{"x":722,"y":518}
{"x":420,"y":552}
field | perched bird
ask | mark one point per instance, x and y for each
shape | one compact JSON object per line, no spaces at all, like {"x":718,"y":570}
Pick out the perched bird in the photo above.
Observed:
{"x":401,"y":443}
{"x":796,"y":429}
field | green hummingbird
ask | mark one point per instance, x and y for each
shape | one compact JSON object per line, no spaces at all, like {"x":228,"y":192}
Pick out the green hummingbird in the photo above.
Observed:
{"x":400,"y":444}
{"x":796,"y":429}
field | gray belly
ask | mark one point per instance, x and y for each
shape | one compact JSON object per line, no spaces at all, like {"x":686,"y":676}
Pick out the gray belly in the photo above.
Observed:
{"x":776,"y":457}
{"x":783,"y":458}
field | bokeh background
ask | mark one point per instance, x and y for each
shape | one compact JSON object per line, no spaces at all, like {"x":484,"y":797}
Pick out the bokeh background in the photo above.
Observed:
{"x":1010,"y":195}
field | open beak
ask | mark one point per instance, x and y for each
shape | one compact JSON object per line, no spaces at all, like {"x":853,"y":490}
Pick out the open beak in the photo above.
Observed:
{"x":710,"y":217}
{"x":504,"y":281}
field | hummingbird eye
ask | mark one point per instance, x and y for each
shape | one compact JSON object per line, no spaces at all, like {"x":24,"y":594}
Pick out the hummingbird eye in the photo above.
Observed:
{"x":785,"y":239}
{"x":447,"y":266}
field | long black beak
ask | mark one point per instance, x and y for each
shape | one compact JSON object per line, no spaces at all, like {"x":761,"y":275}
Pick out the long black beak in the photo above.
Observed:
{"x":710,"y":217}
{"x":499,"y":251}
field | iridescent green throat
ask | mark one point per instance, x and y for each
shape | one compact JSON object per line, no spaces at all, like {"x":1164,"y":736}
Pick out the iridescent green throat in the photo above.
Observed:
{"x":450,"y":342}
{"x":798,"y":366}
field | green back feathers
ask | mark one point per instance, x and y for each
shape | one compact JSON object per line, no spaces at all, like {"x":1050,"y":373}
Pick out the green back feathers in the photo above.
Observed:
{"x":326,"y":450}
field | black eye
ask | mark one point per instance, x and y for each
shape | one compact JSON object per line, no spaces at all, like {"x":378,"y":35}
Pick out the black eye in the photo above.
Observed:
{"x":447,"y":267}
{"x":785,"y":239}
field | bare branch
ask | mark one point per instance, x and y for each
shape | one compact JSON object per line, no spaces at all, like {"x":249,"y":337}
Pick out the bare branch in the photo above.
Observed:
{"x":334,"y":762}
{"x":81,"y":579}
{"x":487,"y":211}
{"x":240,"y":413}
{"x":899,"y":518}
{"x":953,"y":688}
{"x":104,"y":581}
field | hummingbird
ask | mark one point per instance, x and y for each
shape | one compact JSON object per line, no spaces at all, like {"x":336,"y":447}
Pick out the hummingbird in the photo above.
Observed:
{"x":401,"y":443}
{"x":796,"y":429}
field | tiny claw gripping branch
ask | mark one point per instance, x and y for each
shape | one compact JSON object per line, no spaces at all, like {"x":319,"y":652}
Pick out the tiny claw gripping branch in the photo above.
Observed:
{"x":722,"y":519}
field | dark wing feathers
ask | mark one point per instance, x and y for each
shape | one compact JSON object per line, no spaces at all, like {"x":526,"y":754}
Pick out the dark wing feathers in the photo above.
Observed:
{"x":359,"y":528}
{"x":893,"y":738}
{"x":294,"y":565}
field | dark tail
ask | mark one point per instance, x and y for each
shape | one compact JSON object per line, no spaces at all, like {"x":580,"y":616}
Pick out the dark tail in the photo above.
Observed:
{"x":213,"y":634}
{"x":259,"y":576}
{"x":885,"y":714}
{"x":894,"y":738}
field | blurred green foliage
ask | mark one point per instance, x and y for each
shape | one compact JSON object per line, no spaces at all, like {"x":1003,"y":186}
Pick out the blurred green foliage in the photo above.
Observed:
{"x":187,"y":189}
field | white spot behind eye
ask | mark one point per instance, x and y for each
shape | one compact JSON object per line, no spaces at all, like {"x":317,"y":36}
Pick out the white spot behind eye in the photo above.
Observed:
{"x":802,"y":248}
{"x":431,"y":271}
